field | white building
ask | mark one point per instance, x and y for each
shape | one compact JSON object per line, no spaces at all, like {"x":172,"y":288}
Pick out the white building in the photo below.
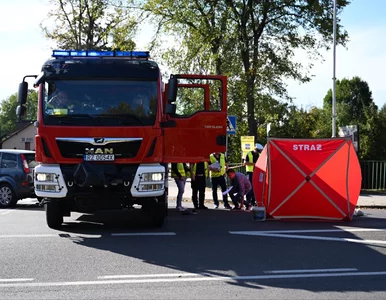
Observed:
{"x":24,"y":138}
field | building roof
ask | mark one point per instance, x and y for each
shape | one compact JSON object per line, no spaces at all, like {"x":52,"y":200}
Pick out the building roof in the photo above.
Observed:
{"x":9,"y":135}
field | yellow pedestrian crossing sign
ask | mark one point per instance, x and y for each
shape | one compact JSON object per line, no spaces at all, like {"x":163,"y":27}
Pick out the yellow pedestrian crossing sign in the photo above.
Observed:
{"x":231,"y":125}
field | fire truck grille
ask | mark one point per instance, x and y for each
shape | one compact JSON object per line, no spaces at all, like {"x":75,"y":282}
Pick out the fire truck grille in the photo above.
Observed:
{"x":120,"y":147}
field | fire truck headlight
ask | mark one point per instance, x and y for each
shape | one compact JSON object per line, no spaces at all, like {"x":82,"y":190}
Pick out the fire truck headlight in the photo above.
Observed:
{"x":46,"y":177}
{"x":47,"y":188}
{"x":148,"y":187}
{"x":152,"y":177}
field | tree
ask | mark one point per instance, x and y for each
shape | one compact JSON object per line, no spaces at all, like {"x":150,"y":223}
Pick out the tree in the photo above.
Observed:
{"x":251,"y":41}
{"x":354,"y":97}
{"x":8,"y":112}
{"x":379,"y":150}
{"x":91,"y":24}
{"x":355,"y":106}
{"x":296,"y":123}
{"x":323,"y":125}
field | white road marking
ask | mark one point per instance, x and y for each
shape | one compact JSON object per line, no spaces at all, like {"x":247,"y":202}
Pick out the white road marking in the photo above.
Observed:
{"x":143,"y":233}
{"x":27,"y":235}
{"x":67,"y":235}
{"x":341,"y":229}
{"x":191,"y":279}
{"x":311,"y":271}
{"x":149,"y":275}
{"x":87,"y":222}
{"x":2,"y":213}
{"x":319,"y":238}
{"x":15,"y":279}
{"x":284,"y":234}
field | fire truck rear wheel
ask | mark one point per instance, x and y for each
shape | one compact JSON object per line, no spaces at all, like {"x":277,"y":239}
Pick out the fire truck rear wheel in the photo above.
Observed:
{"x":54,"y":214}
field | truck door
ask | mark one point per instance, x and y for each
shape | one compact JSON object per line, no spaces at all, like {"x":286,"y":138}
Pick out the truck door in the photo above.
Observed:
{"x":194,"y":124}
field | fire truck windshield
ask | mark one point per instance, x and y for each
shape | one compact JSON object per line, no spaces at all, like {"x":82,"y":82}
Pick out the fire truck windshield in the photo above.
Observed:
{"x":99,"y":102}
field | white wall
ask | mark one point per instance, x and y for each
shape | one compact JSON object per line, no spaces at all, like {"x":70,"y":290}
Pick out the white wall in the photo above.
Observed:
{"x":19,"y":139}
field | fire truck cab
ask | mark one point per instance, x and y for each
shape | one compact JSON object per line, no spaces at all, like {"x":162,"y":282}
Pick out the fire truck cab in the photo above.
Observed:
{"x":107,"y":128}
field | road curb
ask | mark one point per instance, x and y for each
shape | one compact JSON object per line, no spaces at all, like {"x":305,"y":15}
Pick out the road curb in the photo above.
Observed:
{"x":371,"y":207}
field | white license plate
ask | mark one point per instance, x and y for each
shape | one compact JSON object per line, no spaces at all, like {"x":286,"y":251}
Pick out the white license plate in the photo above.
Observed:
{"x":98,"y":157}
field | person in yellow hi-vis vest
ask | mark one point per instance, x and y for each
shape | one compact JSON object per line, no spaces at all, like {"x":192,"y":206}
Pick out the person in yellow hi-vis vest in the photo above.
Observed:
{"x":180,"y":171}
{"x":250,"y":161}
{"x":59,"y":104}
{"x":218,"y":166}
{"x":199,"y":174}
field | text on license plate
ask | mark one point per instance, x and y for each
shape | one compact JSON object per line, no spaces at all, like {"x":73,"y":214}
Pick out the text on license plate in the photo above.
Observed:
{"x":98,"y":157}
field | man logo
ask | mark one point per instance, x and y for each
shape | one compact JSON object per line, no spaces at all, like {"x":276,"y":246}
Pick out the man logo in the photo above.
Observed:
{"x":99,"y":140}
{"x":99,"y":151}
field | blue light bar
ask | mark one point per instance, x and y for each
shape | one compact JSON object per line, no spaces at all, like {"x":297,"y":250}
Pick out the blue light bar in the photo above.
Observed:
{"x":93,"y":53}
{"x":138,"y":54}
{"x":78,"y":53}
{"x":100,"y":53}
{"x":60,"y":53}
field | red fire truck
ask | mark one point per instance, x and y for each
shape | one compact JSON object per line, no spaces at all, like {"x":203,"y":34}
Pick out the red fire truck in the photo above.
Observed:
{"x":107,"y":128}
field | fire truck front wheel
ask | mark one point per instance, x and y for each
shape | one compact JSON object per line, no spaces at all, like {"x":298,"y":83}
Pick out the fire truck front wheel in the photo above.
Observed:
{"x":157,"y":213}
{"x":54,"y":214}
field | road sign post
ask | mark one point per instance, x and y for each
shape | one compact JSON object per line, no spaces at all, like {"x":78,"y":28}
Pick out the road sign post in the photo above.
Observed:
{"x":231,"y":129}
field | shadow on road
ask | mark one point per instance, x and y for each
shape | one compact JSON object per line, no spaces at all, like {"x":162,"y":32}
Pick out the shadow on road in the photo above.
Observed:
{"x":203,"y":245}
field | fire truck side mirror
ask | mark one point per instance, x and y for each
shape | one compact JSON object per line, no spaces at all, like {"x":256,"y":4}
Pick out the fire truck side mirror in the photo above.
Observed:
{"x":172,"y":89}
{"x":20,"y":111}
{"x":22,"y":94}
{"x":170,"y":108}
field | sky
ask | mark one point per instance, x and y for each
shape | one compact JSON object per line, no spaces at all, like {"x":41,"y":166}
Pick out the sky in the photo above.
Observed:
{"x":24,"y":49}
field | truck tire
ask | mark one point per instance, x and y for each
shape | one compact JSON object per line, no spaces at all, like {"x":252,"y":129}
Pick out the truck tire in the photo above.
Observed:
{"x":158,"y":214}
{"x":54,"y":214}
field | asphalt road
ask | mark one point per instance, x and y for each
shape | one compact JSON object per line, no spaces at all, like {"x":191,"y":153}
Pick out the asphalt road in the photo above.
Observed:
{"x":216,"y":254}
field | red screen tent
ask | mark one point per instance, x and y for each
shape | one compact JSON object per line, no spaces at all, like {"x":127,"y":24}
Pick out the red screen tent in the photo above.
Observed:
{"x":308,"y":178}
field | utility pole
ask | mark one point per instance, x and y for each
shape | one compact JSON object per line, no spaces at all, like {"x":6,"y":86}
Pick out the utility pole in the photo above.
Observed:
{"x":333,"y":76}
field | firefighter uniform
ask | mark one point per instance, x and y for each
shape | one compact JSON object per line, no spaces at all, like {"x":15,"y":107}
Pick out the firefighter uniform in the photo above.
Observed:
{"x":252,"y":157}
{"x":218,"y":179}
{"x":179,"y":172}
{"x":199,"y":174}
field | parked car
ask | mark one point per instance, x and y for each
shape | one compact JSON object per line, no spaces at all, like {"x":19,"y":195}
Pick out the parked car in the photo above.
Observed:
{"x":16,"y":176}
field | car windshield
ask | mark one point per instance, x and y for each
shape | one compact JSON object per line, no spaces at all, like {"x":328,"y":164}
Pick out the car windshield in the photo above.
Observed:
{"x":100,"y":103}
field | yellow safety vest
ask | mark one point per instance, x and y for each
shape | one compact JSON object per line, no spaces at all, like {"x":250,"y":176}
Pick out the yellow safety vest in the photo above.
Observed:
{"x":187,"y":170}
{"x":181,"y":170}
{"x":57,"y":110}
{"x":250,"y":157}
{"x":205,"y":169}
{"x":213,"y":159}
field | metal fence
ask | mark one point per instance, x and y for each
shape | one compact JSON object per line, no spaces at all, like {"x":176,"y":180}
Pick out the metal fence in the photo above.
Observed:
{"x":373,"y":175}
{"x":237,"y":167}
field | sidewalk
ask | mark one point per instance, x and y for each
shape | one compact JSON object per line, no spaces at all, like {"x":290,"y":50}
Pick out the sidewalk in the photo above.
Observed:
{"x":370,"y":201}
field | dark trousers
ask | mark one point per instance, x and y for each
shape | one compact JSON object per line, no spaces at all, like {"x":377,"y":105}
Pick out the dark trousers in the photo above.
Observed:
{"x":219,"y":181}
{"x":236,"y":199}
{"x":198,"y":191}
{"x":251,"y":195}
